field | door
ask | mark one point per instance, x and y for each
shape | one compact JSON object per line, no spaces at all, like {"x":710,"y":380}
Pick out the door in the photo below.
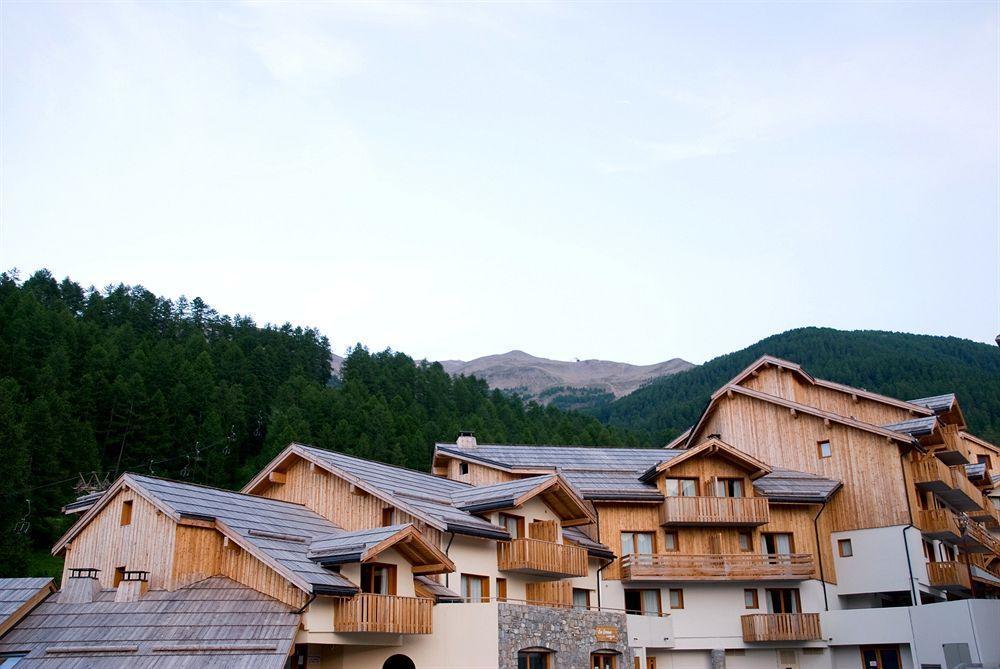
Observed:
{"x":785,"y":600}
{"x":880,"y":657}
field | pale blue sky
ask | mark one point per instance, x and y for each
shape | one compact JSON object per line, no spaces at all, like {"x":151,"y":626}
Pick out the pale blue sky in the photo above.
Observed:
{"x":623,"y":181}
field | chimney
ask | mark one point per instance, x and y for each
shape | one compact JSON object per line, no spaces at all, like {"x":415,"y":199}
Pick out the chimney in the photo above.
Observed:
{"x":81,"y":587}
{"x":466,"y":439}
{"x":133,"y":586}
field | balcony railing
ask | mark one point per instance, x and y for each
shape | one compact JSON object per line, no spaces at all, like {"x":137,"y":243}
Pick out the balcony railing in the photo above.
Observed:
{"x":541,"y":558}
{"x":732,"y":511}
{"x":948,"y":575}
{"x":953,"y":450}
{"x":932,"y":474}
{"x":962,"y":494}
{"x":781,"y":627}
{"x":938,"y":524}
{"x":745,"y":566}
{"x":978,"y":539}
{"x":389,"y":614}
{"x":988,"y":515}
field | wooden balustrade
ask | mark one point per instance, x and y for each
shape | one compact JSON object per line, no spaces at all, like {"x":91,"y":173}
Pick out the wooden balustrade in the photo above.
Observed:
{"x":542,"y":558}
{"x":732,"y":511}
{"x":978,"y":539}
{"x":962,"y":494}
{"x":931,"y":474}
{"x":953,"y":449}
{"x":781,"y":627}
{"x":988,"y":515}
{"x":949,"y":575}
{"x":714,"y":567}
{"x":366,"y":612}
{"x":938,"y":524}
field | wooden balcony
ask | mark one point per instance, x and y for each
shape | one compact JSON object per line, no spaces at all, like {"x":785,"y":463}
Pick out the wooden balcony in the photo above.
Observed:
{"x":931,"y":474}
{"x":729,"y":567}
{"x":387,"y":614}
{"x":988,"y":515}
{"x":781,"y":627}
{"x":938,"y":524}
{"x":729,"y":511}
{"x":962,"y":494}
{"x":953,"y":450}
{"x":541,"y":558}
{"x":978,"y":539}
{"x":949,"y":575}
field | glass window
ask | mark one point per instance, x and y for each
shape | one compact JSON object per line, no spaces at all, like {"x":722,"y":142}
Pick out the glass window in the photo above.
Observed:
{"x":774,"y":543}
{"x":750,"y":598}
{"x":637,"y":543}
{"x":532,"y":660}
{"x":378,"y":579}
{"x":603,"y":661}
{"x":676,"y":598}
{"x":645,"y":602}
{"x":845,"y":548}
{"x":681,"y":487}
{"x":388,"y":516}
{"x":463,"y":468}
{"x":729,"y":488}
{"x":746,"y":541}
{"x":581,"y":598}
{"x":513,"y":524}
{"x":825,"y":450}
{"x":670,"y":542}
{"x":783,"y":600}
{"x":475,"y":588}
{"x":10,"y":659}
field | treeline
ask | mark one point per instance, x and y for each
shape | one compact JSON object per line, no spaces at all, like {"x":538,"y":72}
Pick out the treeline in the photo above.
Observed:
{"x":99,"y":382}
{"x":905,"y":366}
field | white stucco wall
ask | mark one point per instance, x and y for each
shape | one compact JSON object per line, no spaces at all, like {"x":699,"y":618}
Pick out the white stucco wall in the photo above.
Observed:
{"x":879,"y":560}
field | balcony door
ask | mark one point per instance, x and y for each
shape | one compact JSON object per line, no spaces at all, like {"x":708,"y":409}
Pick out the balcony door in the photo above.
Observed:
{"x":777,"y":543}
{"x":680,"y":487}
{"x":784,"y":600}
{"x":728,"y":487}
{"x":880,"y":657}
{"x":378,"y":579}
{"x":637,"y":543}
{"x":644,"y":602}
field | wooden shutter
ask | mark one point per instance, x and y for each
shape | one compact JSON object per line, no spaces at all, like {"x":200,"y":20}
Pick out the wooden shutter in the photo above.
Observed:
{"x":544,"y":530}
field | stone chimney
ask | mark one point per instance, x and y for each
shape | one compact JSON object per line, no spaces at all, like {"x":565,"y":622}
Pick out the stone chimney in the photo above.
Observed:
{"x":466,"y":440}
{"x":81,"y":587}
{"x":133,"y":586}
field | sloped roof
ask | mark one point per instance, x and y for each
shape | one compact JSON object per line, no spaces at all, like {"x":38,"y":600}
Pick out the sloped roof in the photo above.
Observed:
{"x":915,"y":427}
{"x":364,"y":545}
{"x":498,"y":495}
{"x":18,"y":595}
{"x":554,"y":489}
{"x":580,"y":538}
{"x":439,"y":592}
{"x":710,"y":448}
{"x":214,"y":623}
{"x":937,"y":403}
{"x":788,"y":485}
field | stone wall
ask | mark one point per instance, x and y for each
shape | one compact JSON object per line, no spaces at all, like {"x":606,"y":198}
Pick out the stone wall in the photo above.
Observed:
{"x":571,"y":634}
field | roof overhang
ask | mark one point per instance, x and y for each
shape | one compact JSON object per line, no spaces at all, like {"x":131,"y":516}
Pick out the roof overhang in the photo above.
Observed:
{"x":715,"y":448}
{"x":425,"y":557}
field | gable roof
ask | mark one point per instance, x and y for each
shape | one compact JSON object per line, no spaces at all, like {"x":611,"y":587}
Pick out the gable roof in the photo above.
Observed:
{"x":936,"y":403}
{"x":275,"y":532}
{"x":594,"y":547}
{"x":787,"y":485}
{"x":599,"y":474}
{"x":423,"y":496}
{"x":428,"y":587}
{"x":213,"y":623}
{"x":713,"y":448}
{"x":18,"y":596}
{"x":366,"y":545}
{"x":554,"y":489}
{"x":915,"y":427}
{"x":770,"y":360}
{"x":728,"y":391}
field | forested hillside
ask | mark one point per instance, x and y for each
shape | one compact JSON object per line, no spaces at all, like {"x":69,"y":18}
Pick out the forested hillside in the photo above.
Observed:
{"x":120,"y":379}
{"x":900,"y":365}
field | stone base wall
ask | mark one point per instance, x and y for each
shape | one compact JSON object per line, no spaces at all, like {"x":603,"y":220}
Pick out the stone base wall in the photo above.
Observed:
{"x":571,"y":634}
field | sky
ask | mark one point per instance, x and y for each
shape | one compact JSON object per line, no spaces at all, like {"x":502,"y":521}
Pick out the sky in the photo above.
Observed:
{"x":627,"y":181}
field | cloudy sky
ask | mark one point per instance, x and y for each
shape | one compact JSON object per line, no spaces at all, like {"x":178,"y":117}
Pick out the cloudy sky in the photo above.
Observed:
{"x":628,"y":181}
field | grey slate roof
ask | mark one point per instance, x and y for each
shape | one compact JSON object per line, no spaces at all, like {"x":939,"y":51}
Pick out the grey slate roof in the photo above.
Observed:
{"x":349,"y":546}
{"x":597,"y":473}
{"x":788,"y":485}
{"x":580,"y":538}
{"x":426,"y":493}
{"x":915,"y":427}
{"x":937,"y":404}
{"x":16,"y":592}
{"x":281,"y":530}
{"x":498,"y":495}
{"x":975,"y":470}
{"x":211,"y":624}
{"x":440,"y":592}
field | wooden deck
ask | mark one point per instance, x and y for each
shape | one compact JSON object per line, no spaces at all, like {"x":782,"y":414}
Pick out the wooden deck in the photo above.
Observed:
{"x":949,"y":575}
{"x":963,"y":494}
{"x":938,"y":524}
{"x":728,"y":511}
{"x":714,"y":567}
{"x":978,"y":539}
{"x":541,"y":558}
{"x":953,"y":450}
{"x":781,"y":627}
{"x":931,"y":474}
{"x":384,"y":613}
{"x":988,"y":515}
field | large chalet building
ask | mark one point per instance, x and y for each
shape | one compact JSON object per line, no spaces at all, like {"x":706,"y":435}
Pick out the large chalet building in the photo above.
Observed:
{"x":799,"y":524}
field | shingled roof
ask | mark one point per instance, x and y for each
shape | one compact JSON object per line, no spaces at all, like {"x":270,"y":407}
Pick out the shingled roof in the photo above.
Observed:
{"x":211,"y":624}
{"x":18,"y":596}
{"x":915,"y":427}
{"x":788,"y":485}
{"x":937,"y":403}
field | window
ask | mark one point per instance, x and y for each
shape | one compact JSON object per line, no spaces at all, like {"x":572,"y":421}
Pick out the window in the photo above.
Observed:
{"x":670,"y":542}
{"x":729,"y":487}
{"x":750,"y":599}
{"x":746,"y":541}
{"x":984,"y":459}
{"x":126,"y":517}
{"x":463,"y":468}
{"x":388,"y":516}
{"x":530,"y":659}
{"x":845,"y":548}
{"x":603,"y":661}
{"x":475,"y":588}
{"x":880,"y":657}
{"x":378,"y":579}
{"x":680,"y":487}
{"x":581,"y":598}
{"x":501,"y":589}
{"x":825,"y":450}
{"x":776,"y":543}
{"x":8,"y":660}
{"x":119,"y":576}
{"x":513,"y":524}
{"x":784,"y":600}
{"x":644,"y":602}
{"x":637,"y":543}
{"x":929,"y":551}
{"x":676,"y":598}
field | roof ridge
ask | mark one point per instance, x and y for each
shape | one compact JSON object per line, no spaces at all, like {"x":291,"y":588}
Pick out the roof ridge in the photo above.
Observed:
{"x":217,"y":489}
{"x":379,"y":462}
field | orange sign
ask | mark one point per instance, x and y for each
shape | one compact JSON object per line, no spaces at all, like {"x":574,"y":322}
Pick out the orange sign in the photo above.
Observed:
{"x":606,"y":634}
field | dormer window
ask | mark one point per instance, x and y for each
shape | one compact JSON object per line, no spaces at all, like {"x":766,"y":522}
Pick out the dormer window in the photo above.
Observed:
{"x":463,"y":468}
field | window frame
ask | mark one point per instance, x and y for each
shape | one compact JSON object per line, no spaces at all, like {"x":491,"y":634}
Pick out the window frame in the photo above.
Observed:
{"x":679,"y":479}
{"x":484,"y":581}
{"x":666,"y":542}
{"x":795,"y":592}
{"x":749,"y":537}
{"x":372,"y":567}
{"x":600,"y":654}
{"x":518,"y":521}
{"x":527,"y":654}
{"x":680,"y":598}
{"x":501,"y":589}
{"x":726,"y":482}
{"x":755,"y":599}
{"x":634,"y":534}
{"x":642,"y":601}
{"x":828,"y":450}
{"x":586,"y":593}
{"x":845,"y":548}
{"x":463,"y":468}
{"x":127,"y":510}
{"x":388,"y":516}
{"x":765,"y":535}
